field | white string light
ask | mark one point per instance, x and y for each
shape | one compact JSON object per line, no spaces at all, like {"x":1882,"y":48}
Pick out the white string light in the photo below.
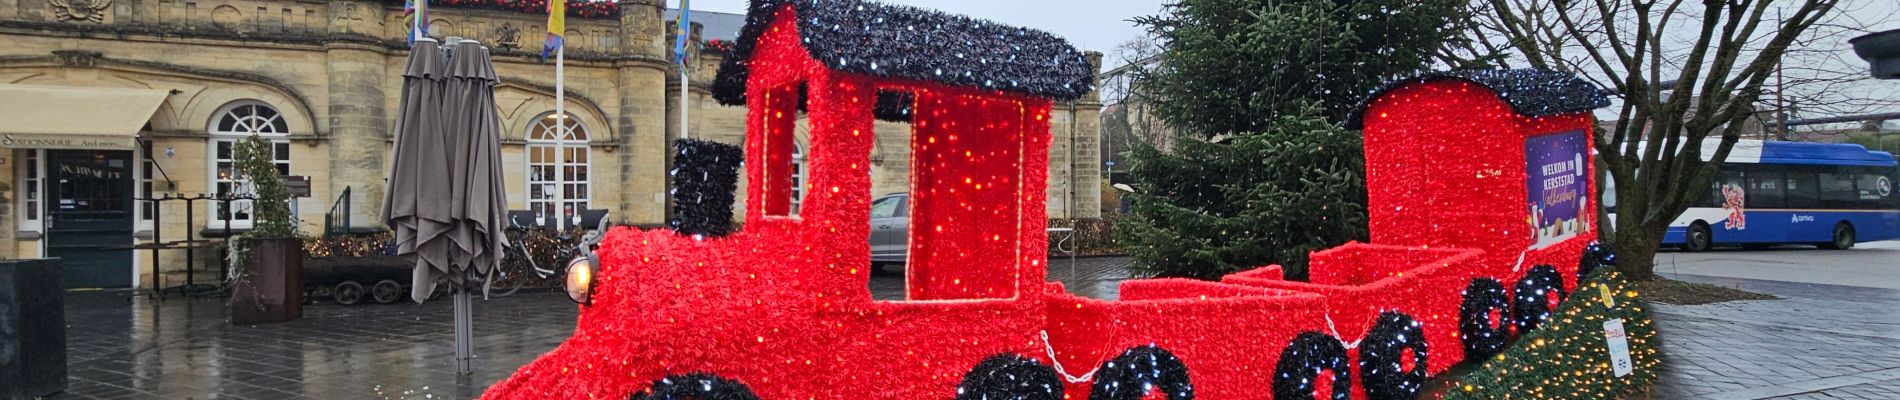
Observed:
{"x":1065,"y":374}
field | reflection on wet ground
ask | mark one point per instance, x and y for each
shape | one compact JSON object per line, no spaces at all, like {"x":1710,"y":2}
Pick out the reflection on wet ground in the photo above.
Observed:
{"x":1819,"y":342}
{"x":121,"y":345}
{"x":125,"y":346}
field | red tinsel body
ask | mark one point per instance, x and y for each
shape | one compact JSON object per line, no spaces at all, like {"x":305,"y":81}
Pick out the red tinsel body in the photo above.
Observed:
{"x":782,"y":306}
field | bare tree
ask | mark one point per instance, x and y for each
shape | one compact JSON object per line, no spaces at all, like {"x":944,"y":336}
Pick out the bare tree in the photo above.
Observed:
{"x":1673,"y":96}
{"x":1130,"y":112}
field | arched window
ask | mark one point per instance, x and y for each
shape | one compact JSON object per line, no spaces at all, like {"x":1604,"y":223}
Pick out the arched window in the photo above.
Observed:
{"x":558,"y":167}
{"x":236,"y":122}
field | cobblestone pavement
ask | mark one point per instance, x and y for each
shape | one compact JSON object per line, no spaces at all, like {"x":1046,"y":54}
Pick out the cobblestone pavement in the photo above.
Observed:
{"x":124,"y":346}
{"x":1818,"y":342}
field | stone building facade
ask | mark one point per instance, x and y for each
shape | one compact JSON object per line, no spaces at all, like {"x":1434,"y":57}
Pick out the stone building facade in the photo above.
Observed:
{"x":321,"y":80}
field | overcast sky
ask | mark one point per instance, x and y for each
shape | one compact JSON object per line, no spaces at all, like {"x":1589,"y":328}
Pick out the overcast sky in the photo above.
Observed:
{"x":1100,"y":25}
{"x":1097,"y":25}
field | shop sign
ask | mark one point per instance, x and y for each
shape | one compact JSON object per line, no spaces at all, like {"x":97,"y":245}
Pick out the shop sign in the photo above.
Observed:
{"x":67,"y":141}
{"x":298,"y":186}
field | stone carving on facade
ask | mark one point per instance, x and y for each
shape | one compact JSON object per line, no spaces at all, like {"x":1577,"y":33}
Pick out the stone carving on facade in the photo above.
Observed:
{"x":348,"y":14}
{"x":508,"y":37}
{"x":77,"y":58}
{"x":80,"y":10}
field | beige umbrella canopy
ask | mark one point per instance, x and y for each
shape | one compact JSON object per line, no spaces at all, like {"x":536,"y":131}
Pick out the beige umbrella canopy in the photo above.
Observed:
{"x":445,"y":198}
{"x":476,"y":187}
{"x":419,"y":171}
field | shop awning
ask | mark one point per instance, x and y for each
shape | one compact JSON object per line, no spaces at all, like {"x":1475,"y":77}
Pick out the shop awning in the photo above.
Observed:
{"x":82,"y":118}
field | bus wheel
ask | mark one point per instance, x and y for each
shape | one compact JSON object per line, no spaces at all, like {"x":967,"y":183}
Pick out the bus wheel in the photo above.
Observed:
{"x":698,"y":385}
{"x":1140,"y":370}
{"x":1298,"y":372}
{"x":1009,"y":376}
{"x":1481,"y":318}
{"x":1535,"y":297}
{"x":1698,"y":238}
{"x":1597,"y":255}
{"x":1843,"y":237}
{"x":1382,"y":358}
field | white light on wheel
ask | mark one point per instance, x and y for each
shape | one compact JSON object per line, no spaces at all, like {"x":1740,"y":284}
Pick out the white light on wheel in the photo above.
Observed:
{"x":580,"y":280}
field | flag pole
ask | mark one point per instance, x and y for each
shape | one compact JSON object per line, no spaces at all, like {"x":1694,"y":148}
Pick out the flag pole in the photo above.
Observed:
{"x":560,"y":136}
{"x":686,"y":27}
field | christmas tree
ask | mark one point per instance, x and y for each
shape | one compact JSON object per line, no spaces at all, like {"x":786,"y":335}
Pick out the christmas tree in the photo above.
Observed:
{"x":1261,"y":171}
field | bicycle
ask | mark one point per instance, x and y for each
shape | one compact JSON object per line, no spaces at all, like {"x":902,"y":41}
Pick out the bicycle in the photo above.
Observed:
{"x":519,"y":263}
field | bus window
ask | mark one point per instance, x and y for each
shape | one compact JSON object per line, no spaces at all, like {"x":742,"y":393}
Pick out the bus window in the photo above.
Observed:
{"x":1802,"y":192}
{"x":1837,"y":190}
{"x":1874,"y":190}
{"x":1764,"y":190}
{"x":1725,"y":178}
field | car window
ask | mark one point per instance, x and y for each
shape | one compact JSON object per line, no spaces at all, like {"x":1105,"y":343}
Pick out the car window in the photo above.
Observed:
{"x":885,"y":207}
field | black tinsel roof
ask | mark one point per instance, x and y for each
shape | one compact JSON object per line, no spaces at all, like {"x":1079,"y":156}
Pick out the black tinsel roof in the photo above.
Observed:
{"x":1530,"y":92}
{"x":870,"y":38}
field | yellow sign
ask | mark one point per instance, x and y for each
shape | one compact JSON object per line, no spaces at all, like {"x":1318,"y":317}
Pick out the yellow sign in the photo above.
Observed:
{"x":68,"y":141}
{"x":1603,"y":291}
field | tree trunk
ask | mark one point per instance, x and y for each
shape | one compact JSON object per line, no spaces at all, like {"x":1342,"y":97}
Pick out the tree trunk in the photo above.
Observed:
{"x":1636,"y":252}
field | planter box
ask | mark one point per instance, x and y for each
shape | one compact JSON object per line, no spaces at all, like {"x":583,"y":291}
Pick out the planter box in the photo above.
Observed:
{"x":32,"y":329}
{"x":271,"y":288}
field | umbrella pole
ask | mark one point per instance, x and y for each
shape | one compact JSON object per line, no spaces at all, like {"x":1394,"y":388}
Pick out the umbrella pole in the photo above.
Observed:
{"x":464,"y":328}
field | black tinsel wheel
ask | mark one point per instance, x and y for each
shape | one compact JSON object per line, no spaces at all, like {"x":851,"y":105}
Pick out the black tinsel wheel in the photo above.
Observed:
{"x":1484,"y":335}
{"x":1597,"y":255}
{"x":1382,"y":366}
{"x":1010,"y":377}
{"x":1140,"y":370}
{"x":696,"y":386}
{"x":1530,"y":299}
{"x":1296,"y":376}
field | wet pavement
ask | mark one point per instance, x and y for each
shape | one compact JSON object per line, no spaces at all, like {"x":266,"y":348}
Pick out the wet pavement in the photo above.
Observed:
{"x":125,"y":346}
{"x":1819,"y":342}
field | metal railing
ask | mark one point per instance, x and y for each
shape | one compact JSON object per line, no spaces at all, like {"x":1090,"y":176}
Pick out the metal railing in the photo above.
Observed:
{"x":337,"y":221}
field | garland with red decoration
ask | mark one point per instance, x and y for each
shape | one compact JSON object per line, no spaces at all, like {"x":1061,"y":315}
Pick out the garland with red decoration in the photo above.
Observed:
{"x":575,"y":8}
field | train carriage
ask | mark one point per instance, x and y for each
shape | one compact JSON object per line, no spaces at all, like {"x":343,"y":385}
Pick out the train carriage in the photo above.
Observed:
{"x":1478,"y":182}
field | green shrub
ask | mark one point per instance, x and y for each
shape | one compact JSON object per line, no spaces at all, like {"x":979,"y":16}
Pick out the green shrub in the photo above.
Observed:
{"x":1568,"y":357}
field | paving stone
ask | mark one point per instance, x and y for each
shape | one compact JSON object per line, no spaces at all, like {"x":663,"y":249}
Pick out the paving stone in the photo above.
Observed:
{"x":122,"y":346}
{"x":1805,"y":345}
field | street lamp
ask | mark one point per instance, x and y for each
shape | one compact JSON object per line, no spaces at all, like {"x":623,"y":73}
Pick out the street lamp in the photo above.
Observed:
{"x":1882,"y":52}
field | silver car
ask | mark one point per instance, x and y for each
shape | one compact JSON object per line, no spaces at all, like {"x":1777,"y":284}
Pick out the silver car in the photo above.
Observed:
{"x":890,"y":229}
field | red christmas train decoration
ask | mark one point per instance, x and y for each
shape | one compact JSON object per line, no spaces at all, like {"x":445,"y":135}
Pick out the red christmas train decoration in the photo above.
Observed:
{"x":1480,"y":220}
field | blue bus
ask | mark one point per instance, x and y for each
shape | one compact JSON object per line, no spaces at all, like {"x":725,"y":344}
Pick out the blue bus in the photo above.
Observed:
{"x":1828,"y":195}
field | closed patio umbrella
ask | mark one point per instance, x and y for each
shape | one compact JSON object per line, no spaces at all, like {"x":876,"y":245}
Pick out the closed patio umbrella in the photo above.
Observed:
{"x":418,"y":175}
{"x":474,"y":149}
{"x":445,"y":198}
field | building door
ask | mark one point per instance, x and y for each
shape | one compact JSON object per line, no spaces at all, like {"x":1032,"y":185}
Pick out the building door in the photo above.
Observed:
{"x":89,"y":216}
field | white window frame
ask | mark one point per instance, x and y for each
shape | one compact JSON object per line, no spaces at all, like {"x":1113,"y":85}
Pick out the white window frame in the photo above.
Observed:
{"x":142,"y":186}
{"x":570,"y":143}
{"x":32,"y":210}
{"x":273,"y":129}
